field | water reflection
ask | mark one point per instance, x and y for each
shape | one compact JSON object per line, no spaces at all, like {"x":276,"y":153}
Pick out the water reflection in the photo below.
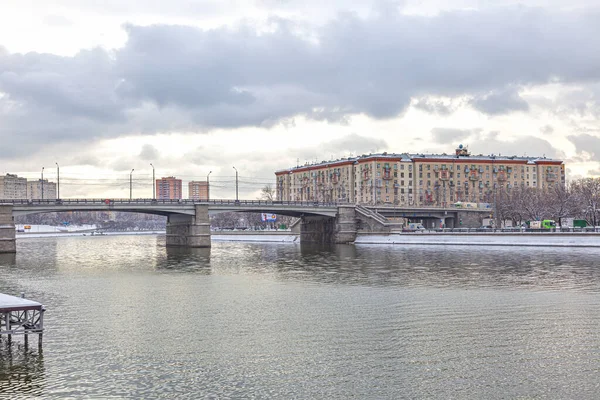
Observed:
{"x":8,"y":259}
{"x":129,"y":318}
{"x":182,"y":259}
{"x":22,"y":368}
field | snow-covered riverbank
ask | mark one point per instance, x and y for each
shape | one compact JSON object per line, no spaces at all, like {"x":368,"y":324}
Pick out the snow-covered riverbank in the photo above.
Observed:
{"x":37,"y":231}
{"x":555,"y":239}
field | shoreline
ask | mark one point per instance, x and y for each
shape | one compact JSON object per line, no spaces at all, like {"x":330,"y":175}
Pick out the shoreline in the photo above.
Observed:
{"x":514,"y":239}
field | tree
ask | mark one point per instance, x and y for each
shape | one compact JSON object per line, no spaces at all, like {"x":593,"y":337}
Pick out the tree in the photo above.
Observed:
{"x":587,"y":198}
{"x":267,"y":193}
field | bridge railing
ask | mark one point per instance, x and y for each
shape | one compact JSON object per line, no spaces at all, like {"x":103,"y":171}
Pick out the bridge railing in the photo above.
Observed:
{"x":45,"y":202}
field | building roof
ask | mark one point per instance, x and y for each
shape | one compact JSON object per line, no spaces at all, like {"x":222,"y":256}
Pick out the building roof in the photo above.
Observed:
{"x":416,"y":157}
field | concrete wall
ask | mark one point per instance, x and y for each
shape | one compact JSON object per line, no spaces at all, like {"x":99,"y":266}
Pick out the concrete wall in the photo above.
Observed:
{"x":345,"y":224}
{"x":470,"y":219}
{"x":189,"y":231}
{"x":7,"y":230}
{"x":317,"y":230}
{"x":327,"y":230}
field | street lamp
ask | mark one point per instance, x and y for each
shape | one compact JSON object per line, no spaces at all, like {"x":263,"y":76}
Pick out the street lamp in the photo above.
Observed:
{"x":153,"y":183}
{"x":130,"y":183}
{"x":42,"y":183}
{"x":208,"y":187}
{"x":236,"y":183}
{"x":57,"y":181}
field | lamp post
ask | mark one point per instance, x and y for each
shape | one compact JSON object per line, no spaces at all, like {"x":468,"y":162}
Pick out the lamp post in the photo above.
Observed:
{"x":131,"y":184}
{"x":236,"y":183}
{"x":42,"y":183}
{"x":153,"y":183}
{"x":57,"y":181}
{"x":208,"y":187}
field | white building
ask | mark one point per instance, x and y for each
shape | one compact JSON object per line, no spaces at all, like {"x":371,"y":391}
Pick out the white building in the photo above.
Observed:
{"x":13,"y":187}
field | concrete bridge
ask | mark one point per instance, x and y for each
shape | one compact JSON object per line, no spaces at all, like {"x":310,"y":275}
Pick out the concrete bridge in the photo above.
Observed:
{"x":188,"y":223}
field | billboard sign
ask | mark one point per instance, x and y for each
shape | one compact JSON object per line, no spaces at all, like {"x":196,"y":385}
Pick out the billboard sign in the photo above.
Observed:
{"x":266,"y":217}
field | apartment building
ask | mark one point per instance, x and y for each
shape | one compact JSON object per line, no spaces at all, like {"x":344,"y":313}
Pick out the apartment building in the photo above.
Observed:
{"x":198,"y":190}
{"x":41,"y":189}
{"x":13,"y":187}
{"x":416,"y":179}
{"x":168,"y":188}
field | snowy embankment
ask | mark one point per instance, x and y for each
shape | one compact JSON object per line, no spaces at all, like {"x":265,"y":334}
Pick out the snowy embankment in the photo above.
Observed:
{"x":255,"y":236}
{"x":554,"y":239}
{"x":37,"y":231}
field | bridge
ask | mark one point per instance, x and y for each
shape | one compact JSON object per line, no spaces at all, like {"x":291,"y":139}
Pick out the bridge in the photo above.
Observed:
{"x":188,"y":222}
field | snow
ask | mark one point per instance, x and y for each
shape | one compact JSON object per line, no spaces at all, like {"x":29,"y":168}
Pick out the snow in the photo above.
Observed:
{"x":566,"y":239}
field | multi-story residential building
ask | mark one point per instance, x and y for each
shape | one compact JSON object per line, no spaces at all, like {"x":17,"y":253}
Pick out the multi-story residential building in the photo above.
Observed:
{"x":198,"y":190}
{"x":13,"y":187}
{"x":168,"y":188}
{"x":416,"y":179}
{"x":41,"y":189}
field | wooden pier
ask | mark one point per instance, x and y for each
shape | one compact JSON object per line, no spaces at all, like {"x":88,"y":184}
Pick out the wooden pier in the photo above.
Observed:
{"x":20,"y":316}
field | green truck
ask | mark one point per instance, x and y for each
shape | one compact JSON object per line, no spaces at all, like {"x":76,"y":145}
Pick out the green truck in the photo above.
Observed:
{"x":543,"y":224}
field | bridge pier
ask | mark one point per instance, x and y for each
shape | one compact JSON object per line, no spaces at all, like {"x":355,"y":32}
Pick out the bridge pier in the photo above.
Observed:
{"x":8,"y":242}
{"x":345,"y":224}
{"x":189,"y":230}
{"x":338,"y":230}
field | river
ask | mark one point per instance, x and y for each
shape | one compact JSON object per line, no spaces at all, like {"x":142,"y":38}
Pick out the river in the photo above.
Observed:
{"x":128,"y":318}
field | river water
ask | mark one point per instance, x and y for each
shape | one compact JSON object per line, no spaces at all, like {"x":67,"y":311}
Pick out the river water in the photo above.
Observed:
{"x":128,"y":318}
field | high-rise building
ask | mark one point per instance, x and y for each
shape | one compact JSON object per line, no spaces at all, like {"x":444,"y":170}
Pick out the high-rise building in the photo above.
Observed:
{"x":13,"y":187}
{"x":416,"y":179}
{"x":198,"y":190}
{"x":168,"y":188}
{"x":41,"y":189}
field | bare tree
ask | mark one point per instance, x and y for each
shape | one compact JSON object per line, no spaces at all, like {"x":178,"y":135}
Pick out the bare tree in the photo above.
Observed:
{"x":267,"y":193}
{"x":586,"y":193}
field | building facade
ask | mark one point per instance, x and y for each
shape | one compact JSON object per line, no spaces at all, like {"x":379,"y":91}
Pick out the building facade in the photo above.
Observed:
{"x":416,"y":179}
{"x":41,"y":190}
{"x":198,"y":190}
{"x":168,"y":188}
{"x":13,"y":187}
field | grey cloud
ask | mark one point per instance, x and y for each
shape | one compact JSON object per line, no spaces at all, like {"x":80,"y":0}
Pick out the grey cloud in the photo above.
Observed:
{"x":493,"y":143}
{"x":184,"y":78}
{"x":355,"y":144}
{"x":149,"y":153}
{"x":547,"y":129}
{"x":593,"y":172}
{"x":449,"y":135}
{"x":434,"y":106}
{"x":500,"y":102}
{"x":586,"y":143}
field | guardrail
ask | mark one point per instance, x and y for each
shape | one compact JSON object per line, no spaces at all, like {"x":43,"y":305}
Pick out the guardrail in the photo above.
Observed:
{"x":165,"y":201}
{"x":590,"y":229}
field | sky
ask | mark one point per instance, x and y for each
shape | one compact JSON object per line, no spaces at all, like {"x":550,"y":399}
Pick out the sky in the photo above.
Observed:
{"x":198,"y":87}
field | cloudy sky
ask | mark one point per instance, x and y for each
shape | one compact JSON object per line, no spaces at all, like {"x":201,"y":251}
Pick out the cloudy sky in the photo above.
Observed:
{"x":193,"y":86}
